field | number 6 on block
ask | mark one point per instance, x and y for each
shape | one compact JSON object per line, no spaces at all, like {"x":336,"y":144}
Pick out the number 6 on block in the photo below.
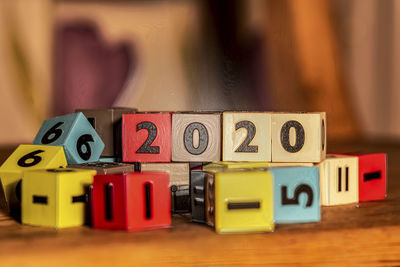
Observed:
{"x":74,"y":132}
{"x":146,"y":137}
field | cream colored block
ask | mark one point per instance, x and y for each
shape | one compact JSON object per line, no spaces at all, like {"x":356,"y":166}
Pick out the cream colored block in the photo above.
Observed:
{"x":298,"y":137}
{"x":252,"y":165}
{"x":178,"y":172}
{"x":246,"y":136}
{"x":339,"y":180}
{"x":196,"y":137}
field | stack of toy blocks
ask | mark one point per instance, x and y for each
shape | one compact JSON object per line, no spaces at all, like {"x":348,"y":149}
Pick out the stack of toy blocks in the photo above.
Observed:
{"x":236,"y":171}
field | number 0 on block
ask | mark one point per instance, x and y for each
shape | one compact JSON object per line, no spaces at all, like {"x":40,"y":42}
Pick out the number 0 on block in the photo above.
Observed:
{"x":146,"y":137}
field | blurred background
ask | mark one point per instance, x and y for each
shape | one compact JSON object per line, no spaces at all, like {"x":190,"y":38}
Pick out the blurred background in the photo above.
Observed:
{"x":338,"y":56}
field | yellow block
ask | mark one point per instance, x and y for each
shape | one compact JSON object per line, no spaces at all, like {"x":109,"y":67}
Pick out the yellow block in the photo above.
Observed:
{"x":243,"y":201}
{"x":246,"y":136}
{"x":55,"y":197}
{"x":339,"y":180}
{"x":28,"y":157}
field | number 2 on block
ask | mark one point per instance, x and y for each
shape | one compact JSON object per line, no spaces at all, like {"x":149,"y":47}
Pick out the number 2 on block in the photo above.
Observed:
{"x":152,"y":130}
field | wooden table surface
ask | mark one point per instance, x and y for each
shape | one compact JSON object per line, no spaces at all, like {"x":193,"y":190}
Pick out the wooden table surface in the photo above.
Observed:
{"x":364,"y":234}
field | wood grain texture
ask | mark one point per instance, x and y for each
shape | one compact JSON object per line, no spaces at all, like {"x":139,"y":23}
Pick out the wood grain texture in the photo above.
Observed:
{"x":367,"y":234}
{"x":202,"y":144}
{"x":178,"y":172}
{"x":298,"y":137}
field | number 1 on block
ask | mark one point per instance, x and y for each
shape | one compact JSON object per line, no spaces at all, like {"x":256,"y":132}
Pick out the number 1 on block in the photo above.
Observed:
{"x":146,"y":137}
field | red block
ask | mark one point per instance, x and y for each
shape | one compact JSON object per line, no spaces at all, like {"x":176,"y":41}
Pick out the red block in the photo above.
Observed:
{"x":372,"y":176}
{"x":131,"y":201}
{"x":146,"y":137}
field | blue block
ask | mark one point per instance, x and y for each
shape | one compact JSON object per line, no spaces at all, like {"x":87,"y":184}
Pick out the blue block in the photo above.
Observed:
{"x":74,"y":132}
{"x":296,"y":194}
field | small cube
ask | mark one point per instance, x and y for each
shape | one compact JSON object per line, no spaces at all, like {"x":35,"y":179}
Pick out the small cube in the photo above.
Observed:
{"x":338,"y":180}
{"x":107,"y":123}
{"x":105,"y":167}
{"x":196,"y":137}
{"x":296,"y":194}
{"x":74,"y":132}
{"x":131,"y":201}
{"x":146,"y":137}
{"x":246,"y":136}
{"x":240,"y":201}
{"x":178,"y":172}
{"x":24,"y":158}
{"x":180,"y":199}
{"x":197,"y":195}
{"x":56,"y":197}
{"x":298,"y":137}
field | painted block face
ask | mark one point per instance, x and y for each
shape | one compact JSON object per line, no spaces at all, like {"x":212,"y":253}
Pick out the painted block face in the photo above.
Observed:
{"x":24,"y":158}
{"x":108,"y":123}
{"x":131,"y":201}
{"x":55,"y":197}
{"x":178,"y":172}
{"x":339,"y":180}
{"x":246,"y":136}
{"x":74,"y":132}
{"x":105,"y":167}
{"x":146,"y":137}
{"x":197,"y":193}
{"x":372,"y":176}
{"x":298,"y":137}
{"x":296,"y":194}
{"x":196,"y":137}
{"x":243,"y":201}
{"x":251,"y":165}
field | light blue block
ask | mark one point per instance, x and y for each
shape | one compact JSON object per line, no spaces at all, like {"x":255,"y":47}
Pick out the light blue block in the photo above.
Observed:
{"x":305,"y":207}
{"x":74,"y":132}
{"x":108,"y":159}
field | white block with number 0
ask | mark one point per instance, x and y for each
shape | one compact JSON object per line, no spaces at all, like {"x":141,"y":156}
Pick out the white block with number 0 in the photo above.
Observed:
{"x":298,"y":137}
{"x":246,"y":136}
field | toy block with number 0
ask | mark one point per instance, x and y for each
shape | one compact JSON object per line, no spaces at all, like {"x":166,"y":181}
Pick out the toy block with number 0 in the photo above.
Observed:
{"x":240,"y":201}
{"x":296,"y":194}
{"x":105,"y":167}
{"x":196,"y":137}
{"x":74,"y":132}
{"x":55,"y":197}
{"x":246,"y":136}
{"x":131,"y":201}
{"x":372,"y":176}
{"x":107,"y":123}
{"x":298,"y":137}
{"x":339,"y":180}
{"x":178,"y":172}
{"x":24,"y":158}
{"x":146,"y":137}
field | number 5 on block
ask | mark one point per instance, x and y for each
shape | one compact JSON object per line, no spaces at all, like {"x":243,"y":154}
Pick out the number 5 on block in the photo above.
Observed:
{"x":146,"y":137}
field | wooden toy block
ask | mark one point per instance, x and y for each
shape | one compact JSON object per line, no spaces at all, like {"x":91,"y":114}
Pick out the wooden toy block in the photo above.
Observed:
{"x":131,"y":201}
{"x":338,"y":180}
{"x":252,"y":165}
{"x":105,"y":167}
{"x":197,"y":195}
{"x":74,"y":132}
{"x":296,"y":194}
{"x":196,"y":137}
{"x":178,"y":172}
{"x":24,"y":158}
{"x":243,"y":201}
{"x":108,"y":124}
{"x":55,"y":197}
{"x":146,"y":137}
{"x":298,"y":137}
{"x":246,"y":136}
{"x":372,"y":181}
{"x":109,"y":159}
{"x":180,"y":199}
